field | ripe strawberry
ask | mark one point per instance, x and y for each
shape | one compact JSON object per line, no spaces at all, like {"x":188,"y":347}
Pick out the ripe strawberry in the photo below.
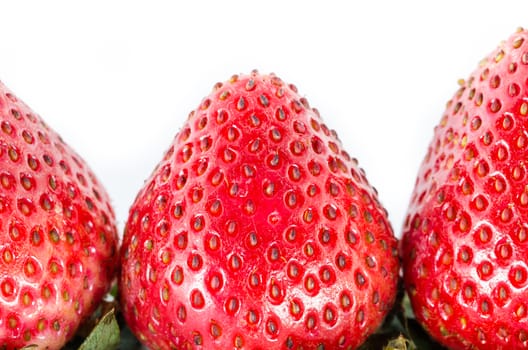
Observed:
{"x":58,"y":248}
{"x":465,"y":243}
{"x":257,"y":231}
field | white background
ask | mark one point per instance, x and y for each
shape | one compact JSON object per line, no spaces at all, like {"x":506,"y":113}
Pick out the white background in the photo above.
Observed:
{"x":117,"y":78}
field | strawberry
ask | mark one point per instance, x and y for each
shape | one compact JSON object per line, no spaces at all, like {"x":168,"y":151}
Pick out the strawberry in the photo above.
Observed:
{"x":465,"y":239}
{"x":58,"y":247}
{"x":257,"y":231}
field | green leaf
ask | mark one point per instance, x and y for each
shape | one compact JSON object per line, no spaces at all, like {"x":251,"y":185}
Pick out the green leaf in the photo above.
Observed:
{"x":105,"y":335}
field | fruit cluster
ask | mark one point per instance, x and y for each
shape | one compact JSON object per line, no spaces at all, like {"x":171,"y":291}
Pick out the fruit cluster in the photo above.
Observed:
{"x":258,"y":231}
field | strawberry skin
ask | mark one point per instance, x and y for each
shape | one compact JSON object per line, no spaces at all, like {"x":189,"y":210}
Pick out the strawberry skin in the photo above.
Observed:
{"x":465,"y":239}
{"x":257,"y":231}
{"x":58,"y":247}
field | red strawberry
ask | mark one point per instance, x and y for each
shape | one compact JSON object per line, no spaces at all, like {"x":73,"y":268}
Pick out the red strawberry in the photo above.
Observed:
{"x":465,"y":243}
{"x":257,"y":231}
{"x":58,"y":248}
